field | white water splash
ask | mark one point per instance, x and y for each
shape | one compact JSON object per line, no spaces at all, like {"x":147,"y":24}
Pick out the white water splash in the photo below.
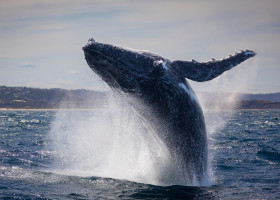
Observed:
{"x":110,"y":143}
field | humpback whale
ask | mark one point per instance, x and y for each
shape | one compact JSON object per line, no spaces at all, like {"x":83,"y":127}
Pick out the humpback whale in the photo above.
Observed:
{"x":157,"y":89}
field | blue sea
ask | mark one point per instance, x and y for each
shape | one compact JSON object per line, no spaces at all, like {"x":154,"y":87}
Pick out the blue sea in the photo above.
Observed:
{"x":98,"y":154}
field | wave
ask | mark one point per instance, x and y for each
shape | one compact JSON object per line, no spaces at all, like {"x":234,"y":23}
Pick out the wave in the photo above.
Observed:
{"x":76,"y":187}
{"x":269,"y":155}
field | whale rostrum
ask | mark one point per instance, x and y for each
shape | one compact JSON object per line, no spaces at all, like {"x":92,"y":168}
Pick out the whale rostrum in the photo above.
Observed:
{"x":157,"y":89}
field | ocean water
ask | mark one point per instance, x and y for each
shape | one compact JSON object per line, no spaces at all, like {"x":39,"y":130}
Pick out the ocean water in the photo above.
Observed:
{"x":97,"y":154}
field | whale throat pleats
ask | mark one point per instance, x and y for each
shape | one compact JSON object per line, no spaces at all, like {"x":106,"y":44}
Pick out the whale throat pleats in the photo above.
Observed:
{"x":206,"y":71}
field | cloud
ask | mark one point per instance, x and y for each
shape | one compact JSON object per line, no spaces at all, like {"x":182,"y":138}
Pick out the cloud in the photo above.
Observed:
{"x":28,"y":66}
{"x":49,"y":32}
{"x":65,"y":82}
{"x":73,"y":71}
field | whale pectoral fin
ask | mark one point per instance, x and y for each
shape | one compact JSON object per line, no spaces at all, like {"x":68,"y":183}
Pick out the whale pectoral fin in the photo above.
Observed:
{"x":209,"y":70}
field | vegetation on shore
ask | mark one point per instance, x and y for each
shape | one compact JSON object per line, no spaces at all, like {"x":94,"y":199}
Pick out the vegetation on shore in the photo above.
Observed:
{"x":34,"y":98}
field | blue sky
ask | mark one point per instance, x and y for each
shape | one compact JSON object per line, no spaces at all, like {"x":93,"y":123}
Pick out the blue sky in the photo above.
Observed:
{"x":41,"y":41}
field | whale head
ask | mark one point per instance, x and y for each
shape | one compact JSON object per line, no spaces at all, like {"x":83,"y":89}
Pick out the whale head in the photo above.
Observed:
{"x":122,"y":68}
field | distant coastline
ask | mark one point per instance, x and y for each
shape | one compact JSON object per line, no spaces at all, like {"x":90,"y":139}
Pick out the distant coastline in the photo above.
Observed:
{"x":25,"y":98}
{"x":49,"y":109}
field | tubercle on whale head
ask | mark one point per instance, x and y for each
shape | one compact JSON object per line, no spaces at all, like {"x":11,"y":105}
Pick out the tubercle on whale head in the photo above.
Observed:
{"x":90,"y":42}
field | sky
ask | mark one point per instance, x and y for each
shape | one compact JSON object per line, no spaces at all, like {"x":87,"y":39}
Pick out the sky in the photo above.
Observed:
{"x":41,"y":41}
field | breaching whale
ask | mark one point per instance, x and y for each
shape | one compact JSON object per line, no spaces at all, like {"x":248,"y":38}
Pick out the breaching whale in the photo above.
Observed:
{"x":157,"y":89}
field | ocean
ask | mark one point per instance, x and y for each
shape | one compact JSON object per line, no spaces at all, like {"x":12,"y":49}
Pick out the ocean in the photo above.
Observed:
{"x":102,"y":154}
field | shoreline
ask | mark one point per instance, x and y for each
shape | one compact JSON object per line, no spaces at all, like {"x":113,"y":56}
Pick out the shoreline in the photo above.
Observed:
{"x":48,"y":109}
{"x":102,"y":109}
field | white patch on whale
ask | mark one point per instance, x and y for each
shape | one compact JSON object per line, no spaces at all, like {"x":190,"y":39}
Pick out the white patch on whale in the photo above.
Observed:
{"x":163,"y":65}
{"x":189,"y":92}
{"x":249,"y":53}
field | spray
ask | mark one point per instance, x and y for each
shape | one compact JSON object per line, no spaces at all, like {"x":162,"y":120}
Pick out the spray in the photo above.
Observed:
{"x":113,"y":143}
